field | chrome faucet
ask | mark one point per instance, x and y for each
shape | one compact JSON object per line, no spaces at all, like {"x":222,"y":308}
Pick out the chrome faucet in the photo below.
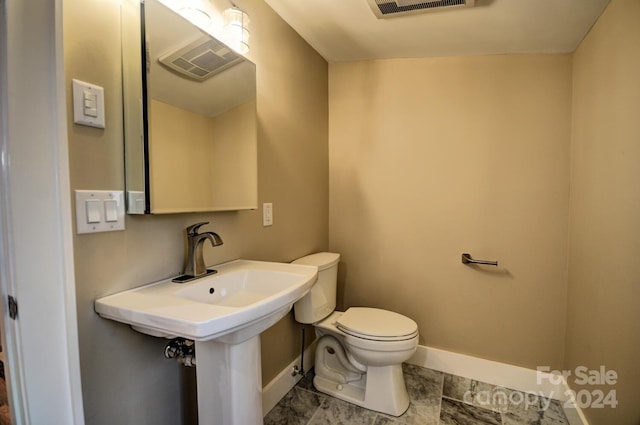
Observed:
{"x":195,"y":261}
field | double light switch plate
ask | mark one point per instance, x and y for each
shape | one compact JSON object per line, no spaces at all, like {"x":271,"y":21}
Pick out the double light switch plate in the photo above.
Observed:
{"x":99,"y":211}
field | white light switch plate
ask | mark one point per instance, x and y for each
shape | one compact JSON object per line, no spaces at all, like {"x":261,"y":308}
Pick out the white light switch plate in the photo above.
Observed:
{"x":99,"y":211}
{"x":88,"y":104}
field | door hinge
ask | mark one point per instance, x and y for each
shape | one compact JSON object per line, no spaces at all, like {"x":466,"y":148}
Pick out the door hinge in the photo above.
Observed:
{"x":13,"y":307}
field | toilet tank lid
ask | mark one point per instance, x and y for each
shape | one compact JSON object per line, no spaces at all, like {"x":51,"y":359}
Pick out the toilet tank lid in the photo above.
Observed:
{"x":322,"y":260}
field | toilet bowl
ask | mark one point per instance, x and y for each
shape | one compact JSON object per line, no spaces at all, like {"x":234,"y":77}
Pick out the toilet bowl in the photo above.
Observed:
{"x":359,"y":352}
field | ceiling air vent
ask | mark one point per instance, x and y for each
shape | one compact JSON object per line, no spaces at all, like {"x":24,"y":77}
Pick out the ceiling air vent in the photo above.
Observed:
{"x":394,"y":8}
{"x":201,"y":59}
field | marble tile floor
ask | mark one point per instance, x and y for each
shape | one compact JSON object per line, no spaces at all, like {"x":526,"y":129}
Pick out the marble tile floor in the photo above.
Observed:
{"x":436,"y":399}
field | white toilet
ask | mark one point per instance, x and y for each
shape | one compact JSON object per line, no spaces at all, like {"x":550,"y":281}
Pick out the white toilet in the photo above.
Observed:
{"x":359,"y":353}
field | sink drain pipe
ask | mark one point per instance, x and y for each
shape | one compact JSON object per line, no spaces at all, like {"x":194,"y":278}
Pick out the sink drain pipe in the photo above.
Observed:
{"x":182,"y":350}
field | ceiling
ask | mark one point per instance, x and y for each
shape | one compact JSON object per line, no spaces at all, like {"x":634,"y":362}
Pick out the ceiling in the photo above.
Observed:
{"x":346,"y":30}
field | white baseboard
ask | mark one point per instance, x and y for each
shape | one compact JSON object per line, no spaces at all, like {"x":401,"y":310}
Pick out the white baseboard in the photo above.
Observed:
{"x":504,"y":375}
{"x":279,"y":386}
{"x":576,"y":416}
{"x":501,"y":374}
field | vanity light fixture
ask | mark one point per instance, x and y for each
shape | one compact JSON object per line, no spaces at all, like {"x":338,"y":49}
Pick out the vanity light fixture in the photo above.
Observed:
{"x":236,"y":29}
{"x":195,"y":12}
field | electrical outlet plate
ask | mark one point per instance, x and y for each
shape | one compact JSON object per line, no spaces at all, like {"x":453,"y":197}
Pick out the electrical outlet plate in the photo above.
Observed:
{"x":267,"y":214}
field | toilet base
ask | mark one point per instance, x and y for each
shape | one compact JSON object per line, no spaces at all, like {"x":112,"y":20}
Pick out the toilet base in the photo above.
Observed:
{"x":381,"y":389}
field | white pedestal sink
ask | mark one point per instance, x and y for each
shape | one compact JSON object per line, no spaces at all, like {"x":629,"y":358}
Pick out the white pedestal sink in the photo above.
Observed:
{"x":225,"y":314}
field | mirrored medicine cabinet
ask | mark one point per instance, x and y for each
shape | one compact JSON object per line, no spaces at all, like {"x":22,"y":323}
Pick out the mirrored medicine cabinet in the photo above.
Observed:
{"x":189,"y":116}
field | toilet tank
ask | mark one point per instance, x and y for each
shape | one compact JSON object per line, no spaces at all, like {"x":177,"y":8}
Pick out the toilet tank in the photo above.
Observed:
{"x":320,"y":301}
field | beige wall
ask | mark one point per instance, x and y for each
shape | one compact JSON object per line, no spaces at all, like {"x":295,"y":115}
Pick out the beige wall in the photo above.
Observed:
{"x":430,"y":158}
{"x":124,"y":375}
{"x":603,"y":325}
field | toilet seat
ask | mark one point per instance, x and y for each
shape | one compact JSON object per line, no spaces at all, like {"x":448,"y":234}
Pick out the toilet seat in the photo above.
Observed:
{"x":376,"y":325}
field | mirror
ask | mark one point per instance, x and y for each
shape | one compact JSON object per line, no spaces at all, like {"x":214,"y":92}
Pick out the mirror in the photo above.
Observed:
{"x":189,"y":118}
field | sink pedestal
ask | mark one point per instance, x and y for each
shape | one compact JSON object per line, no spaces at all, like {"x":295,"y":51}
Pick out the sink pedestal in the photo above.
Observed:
{"x":229,"y":375}
{"x":229,"y":380}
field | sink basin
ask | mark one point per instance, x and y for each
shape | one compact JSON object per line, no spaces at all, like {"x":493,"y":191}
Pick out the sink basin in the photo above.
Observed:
{"x":239,"y":288}
{"x":243,"y":296}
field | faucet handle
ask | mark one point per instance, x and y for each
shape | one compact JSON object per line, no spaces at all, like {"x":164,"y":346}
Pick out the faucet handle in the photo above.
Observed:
{"x":193,"y":229}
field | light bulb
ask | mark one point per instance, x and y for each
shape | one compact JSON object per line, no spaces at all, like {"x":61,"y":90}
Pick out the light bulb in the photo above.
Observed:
{"x":236,"y":32}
